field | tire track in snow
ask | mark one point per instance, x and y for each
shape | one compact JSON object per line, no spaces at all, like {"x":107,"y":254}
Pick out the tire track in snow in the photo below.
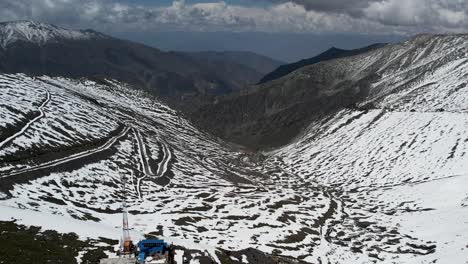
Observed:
{"x":144,"y":161}
{"x":163,"y":165}
{"x":326,"y":247}
{"x":142,"y":153}
{"x":21,"y":132}
{"x":76,"y":156}
{"x":324,"y":222}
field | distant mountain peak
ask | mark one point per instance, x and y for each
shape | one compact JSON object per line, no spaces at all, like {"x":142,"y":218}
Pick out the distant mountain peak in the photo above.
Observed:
{"x":334,"y":48}
{"x":40,"y":33}
{"x":331,"y":53}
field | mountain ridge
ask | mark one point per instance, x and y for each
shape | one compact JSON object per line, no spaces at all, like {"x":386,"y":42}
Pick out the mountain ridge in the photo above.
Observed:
{"x":331,"y":53}
{"x":38,"y":48}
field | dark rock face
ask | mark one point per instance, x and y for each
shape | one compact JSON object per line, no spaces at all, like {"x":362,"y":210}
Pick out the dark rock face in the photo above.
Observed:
{"x":332,"y":53}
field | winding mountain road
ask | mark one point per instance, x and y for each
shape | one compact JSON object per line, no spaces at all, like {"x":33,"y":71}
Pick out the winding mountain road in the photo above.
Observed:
{"x":163,"y":165}
{"x":144,"y":161}
{"x":76,"y":156}
{"x":23,"y":129}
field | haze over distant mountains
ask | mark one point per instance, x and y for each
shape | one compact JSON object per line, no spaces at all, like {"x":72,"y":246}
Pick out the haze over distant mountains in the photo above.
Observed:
{"x":287,"y":47}
{"x":40,"y":48}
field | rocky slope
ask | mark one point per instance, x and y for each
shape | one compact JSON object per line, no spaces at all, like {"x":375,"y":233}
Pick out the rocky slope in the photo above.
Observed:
{"x":272,"y":114}
{"x":38,"y":48}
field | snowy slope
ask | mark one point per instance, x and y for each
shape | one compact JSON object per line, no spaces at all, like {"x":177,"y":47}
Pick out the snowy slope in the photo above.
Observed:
{"x":400,"y":158}
{"x":39,"y":33}
{"x":416,"y":112}
{"x":197,"y":191}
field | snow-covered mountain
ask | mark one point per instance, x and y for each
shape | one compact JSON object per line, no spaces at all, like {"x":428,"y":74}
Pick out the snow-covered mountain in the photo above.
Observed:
{"x":420,"y":94}
{"x":383,"y":180}
{"x":40,"y":33}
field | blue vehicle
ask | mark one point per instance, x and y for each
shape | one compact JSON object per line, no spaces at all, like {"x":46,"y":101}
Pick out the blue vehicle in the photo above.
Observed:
{"x":154,"y":248}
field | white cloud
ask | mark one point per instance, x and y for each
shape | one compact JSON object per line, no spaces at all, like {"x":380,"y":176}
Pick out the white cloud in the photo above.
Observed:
{"x":430,"y":15}
{"x":351,"y":16}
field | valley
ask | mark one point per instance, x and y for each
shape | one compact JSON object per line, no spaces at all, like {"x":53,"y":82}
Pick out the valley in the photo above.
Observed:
{"x":303,"y":201}
{"x":355,"y":159}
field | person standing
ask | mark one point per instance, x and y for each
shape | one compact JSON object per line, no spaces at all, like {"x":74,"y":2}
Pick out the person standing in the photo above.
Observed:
{"x":171,"y":253}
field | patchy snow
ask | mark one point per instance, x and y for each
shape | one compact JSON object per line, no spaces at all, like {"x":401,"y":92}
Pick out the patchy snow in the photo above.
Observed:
{"x":444,"y":220}
{"x":51,"y":221}
{"x":80,"y":256}
{"x":396,"y":147}
{"x":399,"y":170}
{"x":208,"y":185}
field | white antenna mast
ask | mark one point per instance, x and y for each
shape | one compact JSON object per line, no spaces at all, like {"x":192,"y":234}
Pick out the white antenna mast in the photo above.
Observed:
{"x":126,"y":240}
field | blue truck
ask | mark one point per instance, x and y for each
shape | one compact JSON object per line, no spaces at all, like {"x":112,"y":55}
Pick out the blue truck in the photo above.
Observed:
{"x":152,"y":248}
